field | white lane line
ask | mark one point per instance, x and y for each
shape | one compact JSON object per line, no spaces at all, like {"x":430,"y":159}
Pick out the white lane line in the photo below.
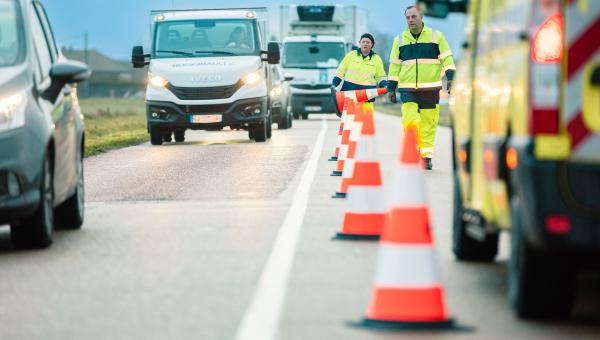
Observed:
{"x":261,"y":319}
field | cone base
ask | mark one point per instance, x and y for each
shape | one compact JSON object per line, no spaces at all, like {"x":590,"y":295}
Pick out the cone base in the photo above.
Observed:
{"x":336,"y":173}
{"x":339,"y":195}
{"x":333,"y":159}
{"x":408,"y":325}
{"x":355,"y":237}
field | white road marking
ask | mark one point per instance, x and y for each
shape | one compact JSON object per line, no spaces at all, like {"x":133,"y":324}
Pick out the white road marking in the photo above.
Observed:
{"x":261,"y":320}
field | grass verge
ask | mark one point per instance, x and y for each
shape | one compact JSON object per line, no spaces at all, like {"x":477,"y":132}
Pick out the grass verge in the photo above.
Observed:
{"x":112,"y":123}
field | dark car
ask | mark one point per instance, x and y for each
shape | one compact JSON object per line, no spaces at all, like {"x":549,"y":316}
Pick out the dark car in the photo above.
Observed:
{"x":281,"y":104}
{"x":41,"y":129}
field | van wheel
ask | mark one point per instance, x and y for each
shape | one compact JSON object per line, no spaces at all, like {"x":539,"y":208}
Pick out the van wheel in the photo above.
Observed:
{"x":179,"y":136}
{"x":283,"y":123}
{"x":167,"y":136}
{"x":258,"y":132}
{"x":296,"y":115}
{"x":70,"y":214}
{"x":156,"y":136}
{"x":36,"y":231}
{"x":464,"y":247}
{"x":305,"y":115}
{"x":540,"y":284}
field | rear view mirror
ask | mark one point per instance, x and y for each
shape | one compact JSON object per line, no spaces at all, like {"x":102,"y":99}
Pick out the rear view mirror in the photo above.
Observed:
{"x":138,"y":58}
{"x":441,"y":8}
{"x":273,"y":54}
{"x":70,"y":71}
{"x":288,"y":77}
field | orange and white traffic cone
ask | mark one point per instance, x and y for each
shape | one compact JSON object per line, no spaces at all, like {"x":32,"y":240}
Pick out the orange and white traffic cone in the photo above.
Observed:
{"x":361,"y":96}
{"x":336,"y":153}
{"x":350,"y":115}
{"x":365,"y":212}
{"x":407,"y":291}
{"x":362,"y":168}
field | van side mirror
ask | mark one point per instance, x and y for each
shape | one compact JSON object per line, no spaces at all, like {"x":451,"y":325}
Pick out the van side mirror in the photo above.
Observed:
{"x":288,"y":76}
{"x":441,"y":8}
{"x":272,"y":54}
{"x":65,"y":72}
{"x":138,"y":58}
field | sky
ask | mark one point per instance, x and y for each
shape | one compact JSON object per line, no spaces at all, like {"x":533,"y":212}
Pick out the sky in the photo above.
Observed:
{"x":115,"y":26}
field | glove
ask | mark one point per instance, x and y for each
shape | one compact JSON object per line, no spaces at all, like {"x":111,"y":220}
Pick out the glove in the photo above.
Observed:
{"x":449,"y":86}
{"x":382,"y":83}
{"x":392,"y":96}
{"x":336,"y":81}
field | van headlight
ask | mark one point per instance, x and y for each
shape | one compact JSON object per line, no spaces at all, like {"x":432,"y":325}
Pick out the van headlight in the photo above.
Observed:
{"x":276,"y":92}
{"x":252,"y":78}
{"x":12,"y":111}
{"x":157,"y":81}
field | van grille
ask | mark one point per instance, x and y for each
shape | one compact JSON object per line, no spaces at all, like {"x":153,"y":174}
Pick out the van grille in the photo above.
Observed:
{"x":204,"y":93}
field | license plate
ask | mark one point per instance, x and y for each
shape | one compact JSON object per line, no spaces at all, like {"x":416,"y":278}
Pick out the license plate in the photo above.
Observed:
{"x":313,"y":108}
{"x":206,"y":118}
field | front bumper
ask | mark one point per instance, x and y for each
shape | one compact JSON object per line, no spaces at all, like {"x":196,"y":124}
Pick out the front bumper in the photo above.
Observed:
{"x":240,"y":113}
{"x":313,"y":103}
{"x":20,"y":166}
{"x":548,"y":188}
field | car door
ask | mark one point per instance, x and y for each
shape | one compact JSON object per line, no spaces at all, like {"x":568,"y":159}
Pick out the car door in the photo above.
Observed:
{"x":58,"y":109}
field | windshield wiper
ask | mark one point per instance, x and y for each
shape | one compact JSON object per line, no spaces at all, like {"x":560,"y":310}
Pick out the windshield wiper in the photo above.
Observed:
{"x":217,"y":52}
{"x":176,"y":52}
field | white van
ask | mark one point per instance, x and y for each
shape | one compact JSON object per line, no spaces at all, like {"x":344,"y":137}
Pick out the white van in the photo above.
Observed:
{"x":207,"y":70}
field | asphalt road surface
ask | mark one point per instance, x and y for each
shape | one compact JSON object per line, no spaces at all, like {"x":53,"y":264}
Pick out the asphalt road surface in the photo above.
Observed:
{"x":223,"y":238}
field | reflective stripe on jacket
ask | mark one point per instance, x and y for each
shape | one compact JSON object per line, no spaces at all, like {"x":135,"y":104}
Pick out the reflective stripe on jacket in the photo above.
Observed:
{"x":420,"y":63}
{"x":361,"y":73}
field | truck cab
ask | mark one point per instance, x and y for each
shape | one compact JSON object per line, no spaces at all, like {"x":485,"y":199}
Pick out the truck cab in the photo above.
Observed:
{"x":527,"y":143}
{"x":207,"y":69}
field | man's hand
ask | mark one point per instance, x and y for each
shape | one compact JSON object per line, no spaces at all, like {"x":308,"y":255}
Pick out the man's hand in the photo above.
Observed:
{"x":392,"y":96}
{"x":449,"y":86}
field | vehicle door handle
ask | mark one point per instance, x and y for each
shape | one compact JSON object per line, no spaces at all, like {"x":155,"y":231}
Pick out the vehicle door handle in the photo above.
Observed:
{"x":596,"y":76}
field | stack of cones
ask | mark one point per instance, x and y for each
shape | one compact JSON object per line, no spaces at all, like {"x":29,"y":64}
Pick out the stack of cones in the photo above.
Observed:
{"x":345,"y":140}
{"x":336,"y":152}
{"x":365,"y":213}
{"x":407,"y":291}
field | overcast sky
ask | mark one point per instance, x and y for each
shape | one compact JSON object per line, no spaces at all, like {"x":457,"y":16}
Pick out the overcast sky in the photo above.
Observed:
{"x":115,"y":26}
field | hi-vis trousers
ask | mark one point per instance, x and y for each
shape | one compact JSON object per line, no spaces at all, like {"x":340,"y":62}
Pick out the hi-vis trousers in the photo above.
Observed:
{"x":421,"y":109}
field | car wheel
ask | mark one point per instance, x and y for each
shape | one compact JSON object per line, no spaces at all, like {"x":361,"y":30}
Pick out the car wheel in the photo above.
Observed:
{"x":541,"y":284}
{"x":269,"y":127}
{"x":36,"y":231}
{"x":156,"y":136}
{"x":283,"y":122}
{"x":258,"y":132}
{"x":296,"y":115}
{"x":179,"y":136}
{"x":70,"y":214}
{"x":305,"y":115}
{"x":464,"y":247}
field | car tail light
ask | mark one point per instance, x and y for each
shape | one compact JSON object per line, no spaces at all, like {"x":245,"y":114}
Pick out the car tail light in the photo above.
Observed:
{"x":547,"y":44}
{"x":558,"y":224}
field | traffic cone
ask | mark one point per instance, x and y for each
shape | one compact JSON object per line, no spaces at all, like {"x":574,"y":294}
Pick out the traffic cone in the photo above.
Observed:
{"x":361,"y":167}
{"x":407,"y":291}
{"x":336,"y":152}
{"x":350,"y":115}
{"x":358,"y":96}
{"x":365,"y":212}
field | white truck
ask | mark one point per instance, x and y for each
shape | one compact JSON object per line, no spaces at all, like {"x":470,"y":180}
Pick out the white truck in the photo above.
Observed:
{"x":315,"y":40}
{"x":207,"y":69}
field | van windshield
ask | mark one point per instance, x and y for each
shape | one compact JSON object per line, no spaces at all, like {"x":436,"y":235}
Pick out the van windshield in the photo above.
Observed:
{"x":205,"y":38}
{"x":313,"y":55}
{"x":11,"y":47}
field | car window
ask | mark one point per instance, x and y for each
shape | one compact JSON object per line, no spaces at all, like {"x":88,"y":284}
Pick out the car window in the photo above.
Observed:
{"x":11,"y":42}
{"x":41,"y":46}
{"x":49,"y":34}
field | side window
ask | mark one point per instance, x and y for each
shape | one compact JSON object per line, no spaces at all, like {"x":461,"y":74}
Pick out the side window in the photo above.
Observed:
{"x":42,"y":48}
{"x":49,"y":34}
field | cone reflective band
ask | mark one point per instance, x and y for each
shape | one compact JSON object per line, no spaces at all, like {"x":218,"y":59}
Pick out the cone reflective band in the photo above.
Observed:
{"x":359,"y":96}
{"x":407,"y":292}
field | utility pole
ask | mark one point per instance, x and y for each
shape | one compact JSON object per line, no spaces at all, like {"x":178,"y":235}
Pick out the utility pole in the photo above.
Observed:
{"x":86,"y":58}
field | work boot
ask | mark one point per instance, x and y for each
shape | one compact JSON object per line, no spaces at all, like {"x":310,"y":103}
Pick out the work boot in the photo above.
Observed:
{"x":427,"y":163}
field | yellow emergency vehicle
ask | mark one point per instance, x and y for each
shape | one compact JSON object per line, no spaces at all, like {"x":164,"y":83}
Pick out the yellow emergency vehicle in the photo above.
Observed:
{"x":526,"y":109}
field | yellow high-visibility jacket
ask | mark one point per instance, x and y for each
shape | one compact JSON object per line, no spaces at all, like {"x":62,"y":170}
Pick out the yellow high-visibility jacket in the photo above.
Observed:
{"x":360,"y":72}
{"x":419,"y":64}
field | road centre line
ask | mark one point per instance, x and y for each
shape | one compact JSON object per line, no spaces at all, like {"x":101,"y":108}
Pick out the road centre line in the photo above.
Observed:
{"x":261,"y":319}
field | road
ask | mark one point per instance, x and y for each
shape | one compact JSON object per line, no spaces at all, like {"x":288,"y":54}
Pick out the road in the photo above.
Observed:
{"x":177,"y":238}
